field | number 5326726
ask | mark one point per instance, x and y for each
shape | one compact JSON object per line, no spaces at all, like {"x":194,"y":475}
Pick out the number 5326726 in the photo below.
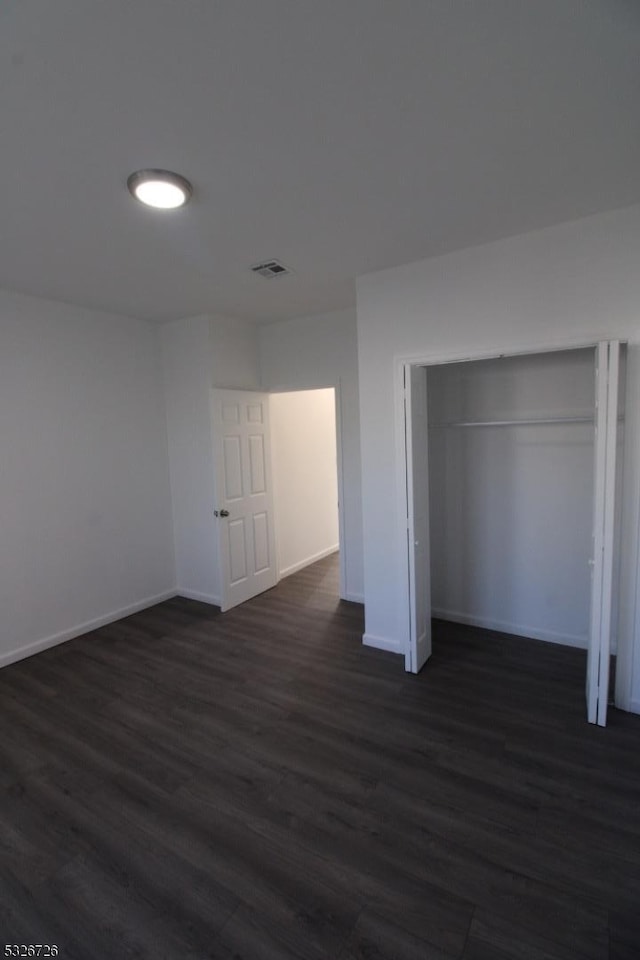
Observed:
{"x":30,"y":950}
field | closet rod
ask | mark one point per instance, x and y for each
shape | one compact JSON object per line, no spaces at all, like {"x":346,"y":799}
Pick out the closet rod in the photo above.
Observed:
{"x":513,"y":423}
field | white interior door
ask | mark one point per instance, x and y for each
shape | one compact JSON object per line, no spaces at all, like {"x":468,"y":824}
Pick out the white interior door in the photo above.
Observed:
{"x":244,"y":505}
{"x":417,"y":444}
{"x":606,"y":430}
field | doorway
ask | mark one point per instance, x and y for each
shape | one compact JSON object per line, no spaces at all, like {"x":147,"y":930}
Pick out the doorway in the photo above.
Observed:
{"x":497,"y":450}
{"x":278,"y":487}
{"x":304,"y":453}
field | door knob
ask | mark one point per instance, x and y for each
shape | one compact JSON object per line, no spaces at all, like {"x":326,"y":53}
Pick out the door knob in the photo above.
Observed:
{"x":221,"y":513}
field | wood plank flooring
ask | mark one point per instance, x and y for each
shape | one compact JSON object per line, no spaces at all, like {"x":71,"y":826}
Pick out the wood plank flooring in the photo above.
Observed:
{"x":260,"y":786}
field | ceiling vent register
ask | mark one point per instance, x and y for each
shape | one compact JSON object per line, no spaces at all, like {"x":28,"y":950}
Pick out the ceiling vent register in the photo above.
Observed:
{"x":271,"y":269}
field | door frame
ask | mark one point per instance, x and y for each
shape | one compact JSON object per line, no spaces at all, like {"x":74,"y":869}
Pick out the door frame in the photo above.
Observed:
{"x":336,"y":386}
{"x":629,"y":466}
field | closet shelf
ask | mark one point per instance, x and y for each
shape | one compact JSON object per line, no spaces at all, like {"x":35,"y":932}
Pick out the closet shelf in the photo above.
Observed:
{"x":534,"y":421}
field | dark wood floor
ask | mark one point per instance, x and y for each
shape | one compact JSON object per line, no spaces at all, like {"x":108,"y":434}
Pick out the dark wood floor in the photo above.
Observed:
{"x":258,"y":785}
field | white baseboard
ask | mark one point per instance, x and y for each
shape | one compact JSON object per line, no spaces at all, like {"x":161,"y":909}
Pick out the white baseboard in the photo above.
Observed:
{"x":381,"y":643}
{"x":354,"y":597}
{"x":294,"y":567}
{"x":52,"y":641}
{"x":202,"y":597}
{"x":634,"y":706}
{"x":568,"y":639}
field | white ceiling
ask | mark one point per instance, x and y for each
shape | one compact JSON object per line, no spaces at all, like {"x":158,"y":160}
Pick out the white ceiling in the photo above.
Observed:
{"x":340,"y":136}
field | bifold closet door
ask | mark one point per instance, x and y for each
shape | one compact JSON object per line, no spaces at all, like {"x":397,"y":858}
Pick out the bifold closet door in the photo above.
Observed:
{"x":606,"y":431}
{"x":417,"y":449}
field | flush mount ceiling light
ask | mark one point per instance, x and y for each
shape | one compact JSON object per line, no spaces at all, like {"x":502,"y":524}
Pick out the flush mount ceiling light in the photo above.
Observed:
{"x":160,"y":188}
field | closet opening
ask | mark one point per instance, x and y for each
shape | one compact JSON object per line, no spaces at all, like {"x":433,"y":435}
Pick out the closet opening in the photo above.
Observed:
{"x":513,"y":502}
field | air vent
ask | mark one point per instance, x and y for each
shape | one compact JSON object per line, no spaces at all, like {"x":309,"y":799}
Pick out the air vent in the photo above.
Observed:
{"x":270,"y":269}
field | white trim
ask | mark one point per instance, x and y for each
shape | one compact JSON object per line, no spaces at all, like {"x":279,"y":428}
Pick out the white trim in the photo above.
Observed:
{"x":439,"y":357}
{"x":634,"y":706}
{"x":609,"y":521}
{"x":597,"y":599}
{"x":354,"y":597}
{"x":52,"y":641}
{"x":342,"y":539}
{"x":629,"y":570}
{"x":381,"y":643}
{"x":195,"y":595}
{"x":518,"y":630}
{"x":402,"y":506}
{"x":301,"y":564}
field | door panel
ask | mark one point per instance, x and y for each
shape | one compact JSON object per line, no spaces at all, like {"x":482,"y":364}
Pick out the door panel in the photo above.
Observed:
{"x":606,"y":429}
{"x":244,"y":495}
{"x":593,"y":651}
{"x":231,"y":412}
{"x":257,"y":464}
{"x":417,"y":441}
{"x":232,"y":468}
{"x":609,"y":530}
{"x":237,"y":551}
{"x":261,"y":542}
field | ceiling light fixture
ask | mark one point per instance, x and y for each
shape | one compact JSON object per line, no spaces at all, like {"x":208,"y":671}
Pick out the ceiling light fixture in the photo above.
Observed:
{"x":160,"y":188}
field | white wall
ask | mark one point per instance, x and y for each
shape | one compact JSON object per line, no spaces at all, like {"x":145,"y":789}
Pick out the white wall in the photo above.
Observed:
{"x":511,"y":505}
{"x":305,"y":477}
{"x":233,"y":346}
{"x":85,"y":514}
{"x":211,"y":351}
{"x":187,"y":377}
{"x":200,"y":353}
{"x":568,"y":284}
{"x":322,"y":351}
